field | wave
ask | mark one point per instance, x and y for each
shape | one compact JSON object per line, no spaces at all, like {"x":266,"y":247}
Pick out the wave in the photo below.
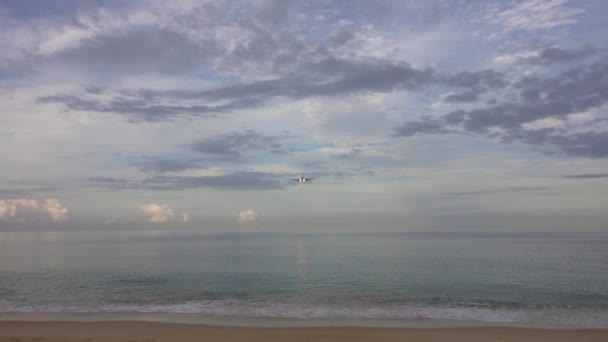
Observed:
{"x":545,"y":315}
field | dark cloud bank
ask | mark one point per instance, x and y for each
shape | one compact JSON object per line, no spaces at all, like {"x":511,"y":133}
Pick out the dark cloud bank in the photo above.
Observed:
{"x":330,"y":77}
{"x":576,"y":90}
{"x":321,"y":74}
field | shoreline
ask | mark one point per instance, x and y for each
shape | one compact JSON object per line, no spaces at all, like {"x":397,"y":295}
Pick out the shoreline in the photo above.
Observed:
{"x":273,"y":322}
{"x":115,"y":331}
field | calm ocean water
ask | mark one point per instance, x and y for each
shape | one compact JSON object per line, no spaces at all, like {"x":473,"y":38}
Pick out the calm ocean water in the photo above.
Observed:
{"x":538,"y":278}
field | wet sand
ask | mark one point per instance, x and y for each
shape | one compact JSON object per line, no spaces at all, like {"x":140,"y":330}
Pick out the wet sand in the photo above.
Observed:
{"x":152,"y":332}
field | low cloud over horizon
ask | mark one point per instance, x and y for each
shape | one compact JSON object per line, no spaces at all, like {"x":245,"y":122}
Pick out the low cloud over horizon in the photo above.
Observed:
{"x":12,"y":208}
{"x":407,"y":114}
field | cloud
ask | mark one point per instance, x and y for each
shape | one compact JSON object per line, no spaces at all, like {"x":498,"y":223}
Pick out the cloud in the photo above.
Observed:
{"x":162,"y":165}
{"x":554,"y":54}
{"x":425,"y":126}
{"x":247,"y":217}
{"x":544,"y":54}
{"x":204,"y":72}
{"x":329,"y":77}
{"x":26,"y":191}
{"x":57,"y":211}
{"x":38,"y":8}
{"x":498,"y":191}
{"x":467,"y":96}
{"x":474,"y":84}
{"x":241,"y":180}
{"x":159,"y":213}
{"x":238,"y":181}
{"x":587,"y":176}
{"x":348,"y":153}
{"x":536,"y":102}
{"x":162,"y":213}
{"x":231,"y":146}
{"x":8,"y":208}
{"x":23,"y":202}
{"x":156,"y":50}
{"x":134,"y":109}
{"x":273,"y":11}
{"x":341,"y":38}
{"x":531,"y":15}
{"x":479,"y":80}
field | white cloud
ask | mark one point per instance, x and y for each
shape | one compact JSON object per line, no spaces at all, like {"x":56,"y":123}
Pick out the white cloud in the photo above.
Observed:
{"x":510,"y":58}
{"x":69,"y":36}
{"x":247,"y":217}
{"x":8,"y":208}
{"x":532,"y":15}
{"x":579,"y":118}
{"x":160,"y":213}
{"x":57,"y":211}
{"x":543,"y":123}
{"x":3,"y":208}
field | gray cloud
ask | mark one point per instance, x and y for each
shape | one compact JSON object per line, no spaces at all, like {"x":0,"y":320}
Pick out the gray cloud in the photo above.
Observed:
{"x":26,"y":192}
{"x":162,"y":165}
{"x":140,"y":50}
{"x":467,"y":96}
{"x":330,"y":77}
{"x":341,"y":38}
{"x":425,"y":126}
{"x":135,"y":110}
{"x":313,"y":164}
{"x":240,"y":180}
{"x":553,"y":54}
{"x":232,"y":146}
{"x":338,"y":174}
{"x":587,"y":176}
{"x":497,"y":191}
{"x":273,"y":11}
{"x":576,"y":90}
{"x":480,"y":80}
{"x":475,"y":83}
{"x":588,"y":144}
{"x":352,"y":153}
{"x":106,"y":180}
{"x":234,"y":181}
{"x":471,"y":193}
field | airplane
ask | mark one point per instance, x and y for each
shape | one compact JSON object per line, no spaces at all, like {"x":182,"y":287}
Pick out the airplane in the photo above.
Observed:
{"x":303,"y":179}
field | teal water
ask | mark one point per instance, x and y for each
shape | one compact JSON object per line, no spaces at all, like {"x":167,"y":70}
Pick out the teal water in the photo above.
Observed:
{"x":539,"y":278}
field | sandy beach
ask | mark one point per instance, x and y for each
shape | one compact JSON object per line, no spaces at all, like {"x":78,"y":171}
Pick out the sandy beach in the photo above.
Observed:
{"x":150,"y":332}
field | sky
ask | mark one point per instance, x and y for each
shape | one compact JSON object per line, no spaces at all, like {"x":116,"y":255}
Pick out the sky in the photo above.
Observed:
{"x":409,"y":115}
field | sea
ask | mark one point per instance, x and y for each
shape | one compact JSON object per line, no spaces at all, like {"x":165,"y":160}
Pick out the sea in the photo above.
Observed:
{"x":546,"y":279}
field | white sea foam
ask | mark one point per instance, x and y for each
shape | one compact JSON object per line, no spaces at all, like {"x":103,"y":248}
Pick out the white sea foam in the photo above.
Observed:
{"x":592,"y":318}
